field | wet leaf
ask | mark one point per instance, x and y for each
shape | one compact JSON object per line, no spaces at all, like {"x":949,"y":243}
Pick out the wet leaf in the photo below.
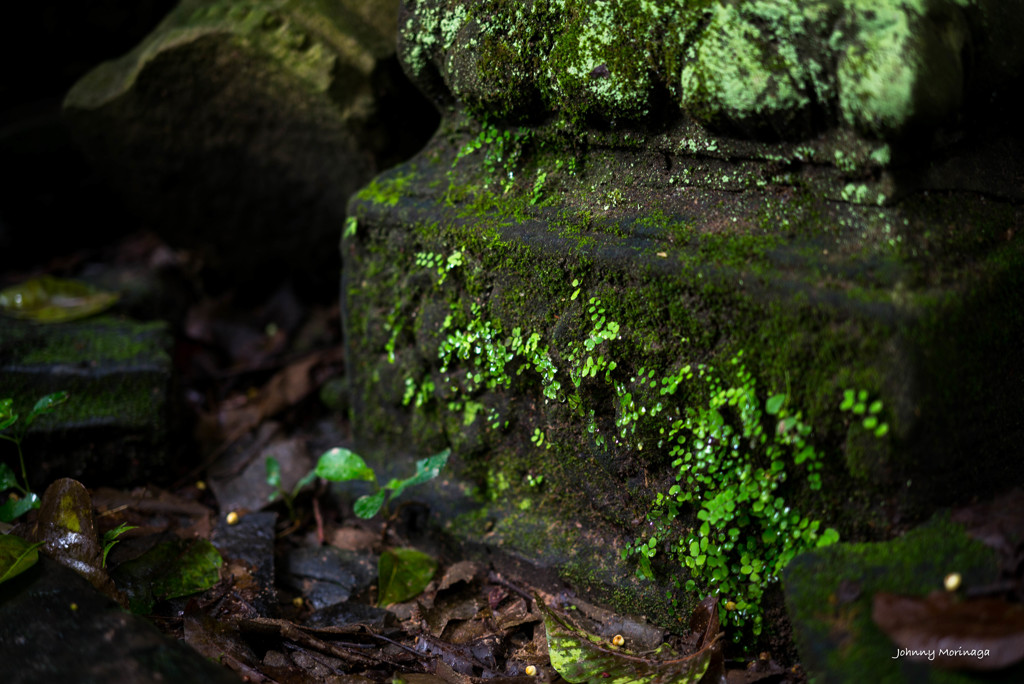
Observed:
{"x":52,"y":300}
{"x":426,"y":469}
{"x":273,"y":475}
{"x":579,"y":656}
{"x":67,"y":530}
{"x":367,"y":506}
{"x":341,"y":465}
{"x":170,"y":569}
{"x":17,"y":506}
{"x":403,"y":574}
{"x":16,"y":556}
{"x":8,"y":478}
{"x":971,"y":634}
{"x":7,"y":415}
{"x":45,"y":405}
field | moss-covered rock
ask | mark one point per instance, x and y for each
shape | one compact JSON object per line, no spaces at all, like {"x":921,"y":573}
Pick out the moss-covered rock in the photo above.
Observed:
{"x":829,"y":594}
{"x":114,"y":426}
{"x":547,"y":317}
{"x":251,"y":122}
{"x":786,"y":68}
{"x":684,"y":274}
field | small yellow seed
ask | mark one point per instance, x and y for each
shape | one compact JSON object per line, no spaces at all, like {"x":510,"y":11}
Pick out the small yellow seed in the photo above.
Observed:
{"x":531,"y":670}
{"x":297,"y":601}
{"x":232,"y":518}
{"x":952,"y":581}
{"x":201,"y":485}
{"x":618,"y":640}
{"x":73,"y":607}
{"x":730,"y":605}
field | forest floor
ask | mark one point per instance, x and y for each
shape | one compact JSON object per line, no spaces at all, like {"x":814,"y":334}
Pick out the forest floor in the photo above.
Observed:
{"x":304,"y":590}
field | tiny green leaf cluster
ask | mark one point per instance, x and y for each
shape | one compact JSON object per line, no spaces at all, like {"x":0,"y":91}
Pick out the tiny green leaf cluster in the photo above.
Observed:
{"x":434,"y":261}
{"x":22,"y":499}
{"x":502,"y":149}
{"x":730,"y":458}
{"x":856,"y":402}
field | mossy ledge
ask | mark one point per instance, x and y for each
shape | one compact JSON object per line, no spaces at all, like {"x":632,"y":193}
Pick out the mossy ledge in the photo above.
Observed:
{"x":469,"y":280}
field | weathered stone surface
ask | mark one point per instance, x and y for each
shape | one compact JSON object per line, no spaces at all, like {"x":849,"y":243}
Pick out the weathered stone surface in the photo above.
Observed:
{"x":243,"y":127}
{"x":791,"y":68}
{"x":550,"y":299}
{"x":55,"y":627}
{"x":118,"y":375}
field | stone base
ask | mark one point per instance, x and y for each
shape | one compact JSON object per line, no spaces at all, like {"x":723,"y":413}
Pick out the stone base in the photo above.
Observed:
{"x":542,"y":324}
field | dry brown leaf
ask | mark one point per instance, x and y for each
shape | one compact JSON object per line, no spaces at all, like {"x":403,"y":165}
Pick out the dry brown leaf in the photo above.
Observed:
{"x":972,"y":634}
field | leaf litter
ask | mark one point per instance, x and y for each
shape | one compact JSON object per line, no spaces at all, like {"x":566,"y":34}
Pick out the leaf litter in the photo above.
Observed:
{"x":249,"y":376}
{"x":970,"y":627}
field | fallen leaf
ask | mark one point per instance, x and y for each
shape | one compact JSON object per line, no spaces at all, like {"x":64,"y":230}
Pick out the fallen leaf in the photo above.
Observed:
{"x":403,"y":574}
{"x":67,"y":530}
{"x":16,"y":556}
{"x":52,"y":300}
{"x":579,"y":656}
{"x":463,"y":571}
{"x":971,"y":634}
{"x":172,"y":568}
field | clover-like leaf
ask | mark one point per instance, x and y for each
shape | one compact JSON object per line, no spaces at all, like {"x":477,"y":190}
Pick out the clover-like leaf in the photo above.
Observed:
{"x":774,"y":404}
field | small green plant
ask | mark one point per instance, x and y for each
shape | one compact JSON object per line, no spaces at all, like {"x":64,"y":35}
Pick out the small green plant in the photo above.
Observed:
{"x":731,"y":457}
{"x":110,"y":538}
{"x":341,"y":465}
{"x":856,"y":402}
{"x":287,"y":496}
{"x":22,"y":499}
{"x":502,"y":149}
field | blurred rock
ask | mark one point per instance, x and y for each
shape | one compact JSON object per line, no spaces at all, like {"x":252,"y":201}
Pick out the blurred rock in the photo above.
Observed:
{"x":241,"y":128}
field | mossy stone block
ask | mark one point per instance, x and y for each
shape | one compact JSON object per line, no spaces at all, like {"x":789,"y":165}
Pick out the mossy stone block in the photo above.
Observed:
{"x":114,"y":427}
{"x":829,"y":597}
{"x":536,"y":310}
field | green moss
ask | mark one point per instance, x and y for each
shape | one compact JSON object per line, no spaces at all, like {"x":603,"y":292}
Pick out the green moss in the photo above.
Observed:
{"x":98,"y":341}
{"x":820,"y":296}
{"x":829,"y":594}
{"x":758,"y":66}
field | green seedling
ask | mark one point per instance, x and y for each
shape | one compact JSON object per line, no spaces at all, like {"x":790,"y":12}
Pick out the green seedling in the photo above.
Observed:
{"x":22,"y":499}
{"x":342,"y":465}
{"x":274,"y":480}
{"x":110,"y":538}
{"x":401,"y":573}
